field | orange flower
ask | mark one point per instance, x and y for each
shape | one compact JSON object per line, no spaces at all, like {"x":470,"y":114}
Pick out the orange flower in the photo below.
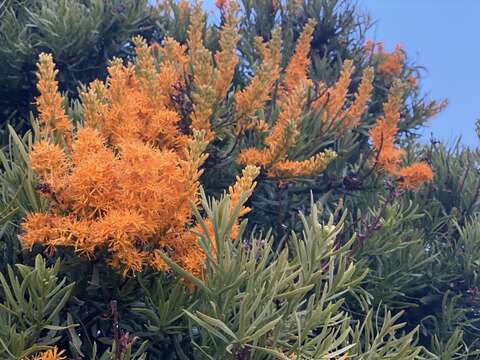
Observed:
{"x":414,"y":175}
{"x":243,"y":188}
{"x":226,"y":59}
{"x":310,"y":167}
{"x":52,"y":354}
{"x":356,"y":110}
{"x":292,"y":100}
{"x":390,"y":64}
{"x":49,"y":161}
{"x":334,"y":98}
{"x":126,"y":185}
{"x":211,"y":84}
{"x":297,"y":69}
{"x":52,"y":117}
{"x":220,"y":3}
{"x":384,"y":132}
{"x":249,"y":100}
{"x":412,"y":81}
{"x":388,"y":156}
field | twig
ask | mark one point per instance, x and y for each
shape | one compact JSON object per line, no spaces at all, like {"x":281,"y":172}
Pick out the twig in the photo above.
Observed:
{"x":116,"y":328}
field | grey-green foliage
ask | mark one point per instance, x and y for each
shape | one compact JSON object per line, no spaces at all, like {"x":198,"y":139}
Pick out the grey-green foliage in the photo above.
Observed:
{"x":392,"y":247}
{"x":467,"y":252}
{"x":125,"y":354}
{"x":31,"y":303}
{"x":257,"y":304}
{"x":457,"y":180}
{"x":18,"y":196}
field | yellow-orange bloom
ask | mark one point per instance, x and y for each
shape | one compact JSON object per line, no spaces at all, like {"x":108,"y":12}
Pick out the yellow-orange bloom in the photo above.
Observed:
{"x":126,"y":184}
{"x":52,"y":354}
{"x":297,"y":69}
{"x":414,"y":175}
{"x":226,"y":58}
{"x":220,"y":3}
{"x":333,"y":99}
{"x":310,"y":167}
{"x":388,"y":155}
{"x":389,"y":64}
{"x":203,"y":95}
{"x":243,"y":188}
{"x":385,"y":130}
{"x":392,"y":64}
{"x":292,"y":100}
{"x":251,"y":99}
{"x":52,"y":117}
{"x":49,"y":161}
{"x":356,"y":110}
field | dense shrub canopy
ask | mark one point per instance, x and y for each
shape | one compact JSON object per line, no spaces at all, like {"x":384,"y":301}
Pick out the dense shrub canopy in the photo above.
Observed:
{"x":249,"y":187}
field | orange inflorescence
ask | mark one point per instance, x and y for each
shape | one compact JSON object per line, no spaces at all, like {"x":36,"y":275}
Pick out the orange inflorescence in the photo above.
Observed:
{"x":388,"y":155}
{"x":211,"y":83}
{"x":51,"y":114}
{"x":127,"y":200}
{"x":126,"y":184}
{"x":412,"y":176}
{"x":52,"y":354}
{"x":412,"y":81}
{"x":389,"y":64}
{"x":249,"y":100}
{"x":226,"y":59}
{"x":283,"y":135}
{"x":332,"y":100}
{"x":238,"y":194}
{"x":355,"y":111}
{"x":314,"y":165}
{"x":243,"y":188}
{"x":220,"y":3}
{"x":291,"y":102}
{"x":383,"y":134}
{"x":137,"y":101}
{"x":296,"y":72}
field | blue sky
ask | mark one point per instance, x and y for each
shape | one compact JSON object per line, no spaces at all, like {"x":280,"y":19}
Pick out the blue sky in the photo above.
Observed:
{"x":441,"y":35}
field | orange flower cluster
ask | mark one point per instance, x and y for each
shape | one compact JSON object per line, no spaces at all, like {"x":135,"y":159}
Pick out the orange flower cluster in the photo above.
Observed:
{"x":389,"y":156}
{"x":124,"y":185}
{"x":332,"y":100}
{"x":52,"y":354}
{"x":292,"y":100}
{"x":412,"y":176}
{"x":128,"y":200}
{"x":136,"y":103}
{"x":211,"y":83}
{"x":412,"y":81}
{"x":251,"y":99}
{"x":51,"y":115}
{"x":238,"y":194}
{"x":389,"y":64}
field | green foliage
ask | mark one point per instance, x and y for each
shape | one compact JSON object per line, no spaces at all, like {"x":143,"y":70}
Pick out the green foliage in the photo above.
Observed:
{"x":18,"y":194}
{"x":32,"y":302}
